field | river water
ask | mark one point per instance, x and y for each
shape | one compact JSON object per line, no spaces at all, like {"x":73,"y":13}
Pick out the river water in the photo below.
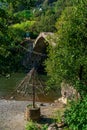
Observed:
{"x":9,"y":84}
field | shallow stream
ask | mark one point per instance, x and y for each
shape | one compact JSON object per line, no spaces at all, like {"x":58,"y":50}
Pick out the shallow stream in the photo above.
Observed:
{"x":9,"y":84}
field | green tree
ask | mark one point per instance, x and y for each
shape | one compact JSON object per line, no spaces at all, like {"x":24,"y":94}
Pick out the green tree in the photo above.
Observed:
{"x":68,"y":61}
{"x":3,"y":37}
{"x":10,"y":54}
{"x":19,"y":5}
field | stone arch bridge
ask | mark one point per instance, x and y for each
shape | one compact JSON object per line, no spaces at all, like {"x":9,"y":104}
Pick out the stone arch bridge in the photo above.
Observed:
{"x":36,"y":52}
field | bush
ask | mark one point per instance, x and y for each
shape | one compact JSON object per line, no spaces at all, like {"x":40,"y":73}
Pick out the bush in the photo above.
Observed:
{"x":44,"y":127}
{"x":76,"y":116}
{"x":31,"y":126}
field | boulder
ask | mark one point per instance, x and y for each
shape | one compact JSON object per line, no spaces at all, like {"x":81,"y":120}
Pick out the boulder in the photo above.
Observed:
{"x":67,"y":91}
{"x":63,"y":100}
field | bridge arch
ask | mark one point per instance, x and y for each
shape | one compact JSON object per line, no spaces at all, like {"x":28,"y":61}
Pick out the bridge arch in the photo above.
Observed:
{"x":36,"y":51}
{"x":40,"y":46}
{"x":42,"y":41}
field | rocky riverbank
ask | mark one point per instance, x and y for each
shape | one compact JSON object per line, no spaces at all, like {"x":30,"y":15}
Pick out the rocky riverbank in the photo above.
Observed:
{"x":12,"y":113}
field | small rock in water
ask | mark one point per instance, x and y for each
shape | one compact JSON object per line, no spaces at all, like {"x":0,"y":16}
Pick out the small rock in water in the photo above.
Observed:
{"x":2,"y":97}
{"x":52,"y":104}
{"x":18,"y":91}
{"x":56,"y":101}
{"x":8,"y":76}
{"x":12,"y":97}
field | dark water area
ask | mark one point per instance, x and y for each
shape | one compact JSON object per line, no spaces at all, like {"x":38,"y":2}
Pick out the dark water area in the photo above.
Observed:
{"x":9,"y":84}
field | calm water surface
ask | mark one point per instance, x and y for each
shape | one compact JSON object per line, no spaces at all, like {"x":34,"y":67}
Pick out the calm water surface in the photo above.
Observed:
{"x":8,"y":85}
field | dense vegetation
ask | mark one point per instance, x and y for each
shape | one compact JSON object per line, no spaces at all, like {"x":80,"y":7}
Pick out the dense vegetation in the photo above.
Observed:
{"x":19,"y":17}
{"x":76,"y":117}
{"x":67,"y":61}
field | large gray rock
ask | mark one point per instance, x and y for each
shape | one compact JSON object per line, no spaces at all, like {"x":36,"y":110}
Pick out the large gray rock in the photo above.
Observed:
{"x":67,"y":91}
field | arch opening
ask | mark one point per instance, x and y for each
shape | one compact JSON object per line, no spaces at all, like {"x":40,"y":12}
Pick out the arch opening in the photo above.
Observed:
{"x":41,"y":47}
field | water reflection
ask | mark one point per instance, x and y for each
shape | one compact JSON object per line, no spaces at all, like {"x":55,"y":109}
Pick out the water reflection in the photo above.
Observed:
{"x":8,"y":85}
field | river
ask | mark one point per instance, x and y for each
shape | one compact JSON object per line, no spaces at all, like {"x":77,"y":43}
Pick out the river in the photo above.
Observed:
{"x":9,"y":84}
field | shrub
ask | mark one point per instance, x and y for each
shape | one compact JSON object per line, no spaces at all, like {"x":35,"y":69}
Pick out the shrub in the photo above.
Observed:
{"x":76,"y":116}
{"x":31,"y":126}
{"x":44,"y":127}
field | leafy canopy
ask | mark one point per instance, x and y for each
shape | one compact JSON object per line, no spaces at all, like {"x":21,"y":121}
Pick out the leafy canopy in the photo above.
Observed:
{"x":76,"y":117}
{"x":68,"y":60}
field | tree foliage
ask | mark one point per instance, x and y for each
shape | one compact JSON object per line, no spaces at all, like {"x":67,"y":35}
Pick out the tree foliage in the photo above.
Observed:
{"x":76,"y":117}
{"x":9,"y":50}
{"x":18,"y":5}
{"x":68,"y":61}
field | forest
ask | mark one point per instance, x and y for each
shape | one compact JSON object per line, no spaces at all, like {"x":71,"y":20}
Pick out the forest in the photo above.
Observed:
{"x":67,"y":62}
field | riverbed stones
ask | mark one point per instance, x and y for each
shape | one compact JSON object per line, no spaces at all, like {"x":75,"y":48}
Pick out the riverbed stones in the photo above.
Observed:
{"x":53,"y":126}
{"x":61,"y":125}
{"x":63,"y":100}
{"x":12,"y":113}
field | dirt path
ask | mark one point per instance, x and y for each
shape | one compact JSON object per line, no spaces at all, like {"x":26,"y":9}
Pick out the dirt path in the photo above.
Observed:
{"x":12,"y":113}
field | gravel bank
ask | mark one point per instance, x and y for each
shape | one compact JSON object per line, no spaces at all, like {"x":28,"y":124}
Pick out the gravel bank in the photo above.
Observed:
{"x":12,"y":113}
